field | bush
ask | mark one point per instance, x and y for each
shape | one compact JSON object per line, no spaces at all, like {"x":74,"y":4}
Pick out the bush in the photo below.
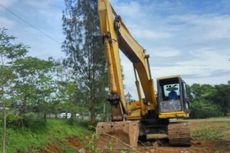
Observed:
{"x":14,"y":121}
{"x":84,"y":124}
{"x":204,"y":109}
{"x":33,"y":121}
{"x":28,"y":120}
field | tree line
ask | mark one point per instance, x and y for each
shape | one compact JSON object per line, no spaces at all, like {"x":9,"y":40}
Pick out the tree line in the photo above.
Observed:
{"x":30,"y":85}
{"x":209,"y":100}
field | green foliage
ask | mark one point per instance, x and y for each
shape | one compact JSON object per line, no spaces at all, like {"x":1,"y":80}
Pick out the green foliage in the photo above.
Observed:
{"x":84,"y":124}
{"x":92,"y":144}
{"x":207,"y":133}
{"x":204,"y":91}
{"x":14,"y":121}
{"x":204,"y":109}
{"x":33,"y":83}
{"x":128,"y":97}
{"x":209,"y":101}
{"x":29,"y":120}
{"x":67,"y":148}
{"x":33,"y":121}
{"x":25,"y":140}
{"x":31,"y":66}
{"x":222,"y":97}
{"x":85,"y":53}
{"x":9,"y":52}
{"x":8,"y":49}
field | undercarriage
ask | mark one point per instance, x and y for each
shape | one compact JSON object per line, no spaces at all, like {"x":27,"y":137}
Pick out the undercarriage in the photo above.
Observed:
{"x":134,"y":132}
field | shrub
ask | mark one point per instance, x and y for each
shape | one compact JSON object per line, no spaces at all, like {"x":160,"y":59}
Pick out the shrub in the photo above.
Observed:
{"x":14,"y":121}
{"x":204,"y":109}
{"x":28,"y":120}
{"x":33,"y":121}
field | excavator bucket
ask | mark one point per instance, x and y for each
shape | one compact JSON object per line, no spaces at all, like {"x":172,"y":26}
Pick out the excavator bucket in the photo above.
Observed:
{"x":126,"y":131}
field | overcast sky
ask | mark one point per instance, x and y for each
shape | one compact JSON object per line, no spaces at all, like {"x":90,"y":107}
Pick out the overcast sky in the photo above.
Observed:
{"x":186,"y":37}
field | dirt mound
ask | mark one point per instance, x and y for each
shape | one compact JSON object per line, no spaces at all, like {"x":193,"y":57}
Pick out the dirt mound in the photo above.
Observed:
{"x":56,"y":146}
{"x":74,"y":142}
{"x":51,"y":148}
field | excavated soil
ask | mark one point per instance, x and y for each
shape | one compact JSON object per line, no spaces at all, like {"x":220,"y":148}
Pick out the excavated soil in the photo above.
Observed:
{"x":111,"y":144}
{"x":108,"y":144}
{"x":74,"y":142}
{"x":197,"y":147}
{"x":55,"y":147}
{"x":51,"y":148}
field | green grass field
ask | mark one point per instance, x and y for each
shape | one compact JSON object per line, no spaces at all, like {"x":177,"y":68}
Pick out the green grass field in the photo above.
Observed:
{"x":211,"y":129}
{"x":26,"y":140}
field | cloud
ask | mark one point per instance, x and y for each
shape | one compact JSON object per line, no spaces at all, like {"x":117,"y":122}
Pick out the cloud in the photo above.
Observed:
{"x":208,"y":26}
{"x":149,"y":34}
{"x":38,"y":4}
{"x":204,"y":63}
{"x":7,"y":23}
{"x":165,"y":52}
{"x":7,"y":3}
{"x":131,"y":9}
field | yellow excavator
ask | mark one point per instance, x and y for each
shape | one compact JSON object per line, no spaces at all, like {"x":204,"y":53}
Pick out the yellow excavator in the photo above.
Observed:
{"x":148,"y":118}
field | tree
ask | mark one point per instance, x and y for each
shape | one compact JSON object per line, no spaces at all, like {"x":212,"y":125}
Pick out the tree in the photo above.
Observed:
{"x":204,"y":91}
{"x":65,"y":95}
{"x":128,"y":97}
{"x":33,"y":84}
{"x":209,"y":101}
{"x":222,"y":97}
{"x":85,"y":52}
{"x":204,"y":109}
{"x":9,"y":52}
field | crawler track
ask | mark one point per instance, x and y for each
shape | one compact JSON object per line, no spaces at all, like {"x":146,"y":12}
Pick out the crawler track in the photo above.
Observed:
{"x":179,"y":134}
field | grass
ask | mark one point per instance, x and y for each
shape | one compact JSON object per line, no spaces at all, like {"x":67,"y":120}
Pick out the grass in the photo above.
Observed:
{"x":26,"y":140}
{"x":210,"y":129}
{"x":207,"y":133}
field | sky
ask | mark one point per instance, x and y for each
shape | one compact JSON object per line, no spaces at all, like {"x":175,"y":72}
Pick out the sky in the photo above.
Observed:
{"x":182,"y":37}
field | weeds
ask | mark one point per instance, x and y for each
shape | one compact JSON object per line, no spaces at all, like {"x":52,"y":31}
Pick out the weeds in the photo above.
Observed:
{"x":207,"y":133}
{"x":91,"y":146}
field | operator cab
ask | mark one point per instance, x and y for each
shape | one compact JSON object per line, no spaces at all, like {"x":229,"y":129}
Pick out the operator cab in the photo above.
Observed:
{"x":172,"y":98}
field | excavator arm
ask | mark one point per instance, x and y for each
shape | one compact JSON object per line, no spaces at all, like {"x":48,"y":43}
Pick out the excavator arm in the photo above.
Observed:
{"x":116,"y":36}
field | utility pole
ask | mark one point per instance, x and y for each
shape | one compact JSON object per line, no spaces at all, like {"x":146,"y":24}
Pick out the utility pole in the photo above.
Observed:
{"x":4,"y":128}
{"x":4,"y":117}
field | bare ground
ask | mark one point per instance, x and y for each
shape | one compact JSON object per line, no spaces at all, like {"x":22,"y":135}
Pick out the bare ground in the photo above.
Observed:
{"x":209,"y":136}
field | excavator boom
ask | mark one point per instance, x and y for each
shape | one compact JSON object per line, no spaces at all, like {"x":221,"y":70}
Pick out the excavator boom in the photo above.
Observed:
{"x":116,"y":36}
